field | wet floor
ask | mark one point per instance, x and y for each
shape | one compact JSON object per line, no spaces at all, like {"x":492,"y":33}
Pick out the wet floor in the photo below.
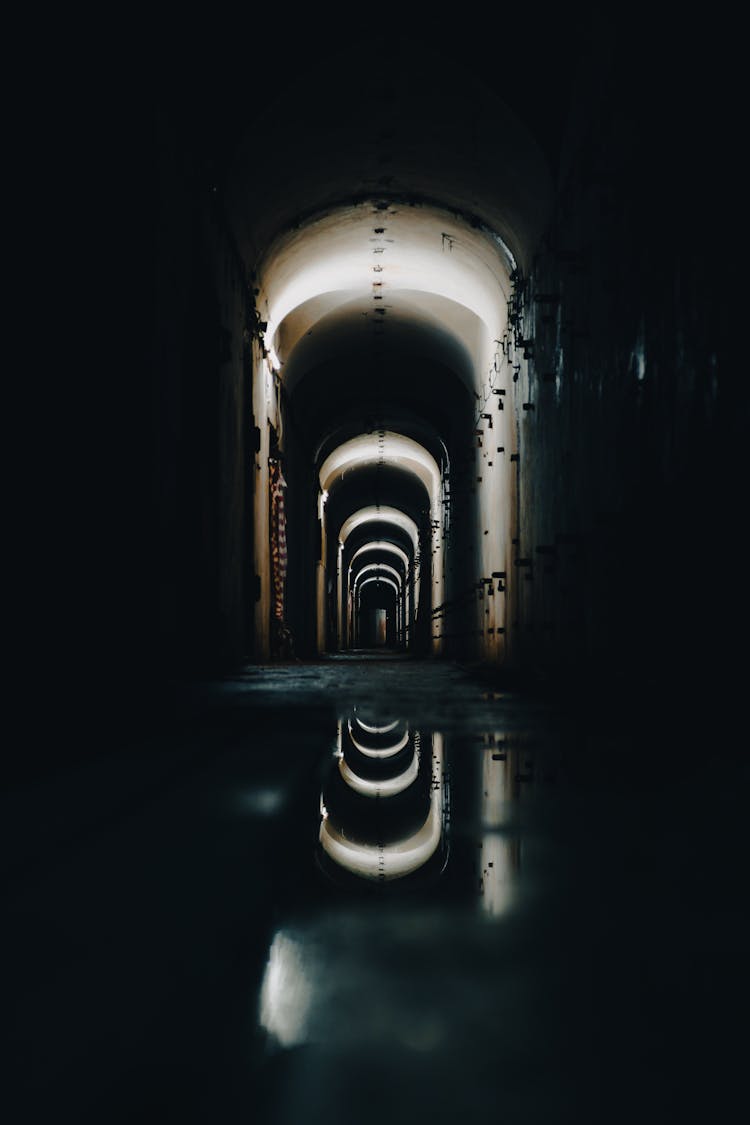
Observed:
{"x":373,"y":888}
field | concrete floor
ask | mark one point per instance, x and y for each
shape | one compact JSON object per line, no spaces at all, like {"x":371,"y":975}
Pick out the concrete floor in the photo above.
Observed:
{"x":574,"y":952}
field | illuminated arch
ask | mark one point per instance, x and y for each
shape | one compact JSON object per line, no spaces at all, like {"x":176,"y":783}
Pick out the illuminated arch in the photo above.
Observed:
{"x":389,"y":570}
{"x":383,"y":448}
{"x":384,"y":546}
{"x":381,"y":513}
{"x":374,"y":578}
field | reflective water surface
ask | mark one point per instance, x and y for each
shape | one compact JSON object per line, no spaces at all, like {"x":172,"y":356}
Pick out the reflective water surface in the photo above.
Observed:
{"x":383,"y":809}
{"x":358,"y":891}
{"x":408,"y":968}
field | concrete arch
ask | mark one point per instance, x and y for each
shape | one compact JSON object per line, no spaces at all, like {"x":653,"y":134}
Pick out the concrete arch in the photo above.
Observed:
{"x":381,"y":514}
{"x":383,"y":547}
{"x":375,"y":578}
{"x":359,"y":519}
{"x":390,"y":277}
{"x":356,"y":618}
{"x":384,"y":448}
{"x":504,"y":183}
{"x":402,"y":593}
{"x":379,"y":567}
{"x":421,"y":270}
{"x":429,"y":327}
{"x":376,"y":513}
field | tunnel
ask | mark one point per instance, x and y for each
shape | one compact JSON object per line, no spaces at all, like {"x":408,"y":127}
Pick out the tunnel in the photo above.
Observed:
{"x":495,"y":277}
{"x":380,"y":748}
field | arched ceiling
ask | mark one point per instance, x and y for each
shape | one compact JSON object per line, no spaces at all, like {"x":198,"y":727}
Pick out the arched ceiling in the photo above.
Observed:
{"x":386,"y":533}
{"x":368,"y":285}
{"x":369,"y":392}
{"x":380,"y":546}
{"x":419,"y":130}
{"x":368,"y":482}
{"x":382,"y":448}
{"x":417,"y":276}
{"x":380,"y":514}
{"x":375,"y":327}
{"x":384,"y":224}
{"x":378,"y":580}
{"x":379,"y":568}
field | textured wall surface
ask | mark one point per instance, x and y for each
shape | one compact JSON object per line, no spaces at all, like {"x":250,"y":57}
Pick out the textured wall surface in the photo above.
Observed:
{"x":629,"y":402}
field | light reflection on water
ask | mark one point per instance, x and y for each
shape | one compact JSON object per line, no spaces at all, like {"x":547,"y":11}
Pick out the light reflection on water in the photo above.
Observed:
{"x":401,"y":777}
{"x":499,"y":853}
{"x":406,"y":774}
{"x":385,"y":821}
{"x":287,"y":991}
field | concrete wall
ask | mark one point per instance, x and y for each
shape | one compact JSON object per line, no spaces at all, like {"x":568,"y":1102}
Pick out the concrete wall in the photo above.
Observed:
{"x":610,"y":508}
{"x":629,"y":451}
{"x":202,"y":427}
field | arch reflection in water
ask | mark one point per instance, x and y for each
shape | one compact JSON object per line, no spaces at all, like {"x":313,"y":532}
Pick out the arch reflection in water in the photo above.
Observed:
{"x":363,"y":741}
{"x":384,"y":806}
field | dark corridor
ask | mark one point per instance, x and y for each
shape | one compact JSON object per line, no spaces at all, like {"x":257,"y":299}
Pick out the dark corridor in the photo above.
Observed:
{"x":378,"y":740}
